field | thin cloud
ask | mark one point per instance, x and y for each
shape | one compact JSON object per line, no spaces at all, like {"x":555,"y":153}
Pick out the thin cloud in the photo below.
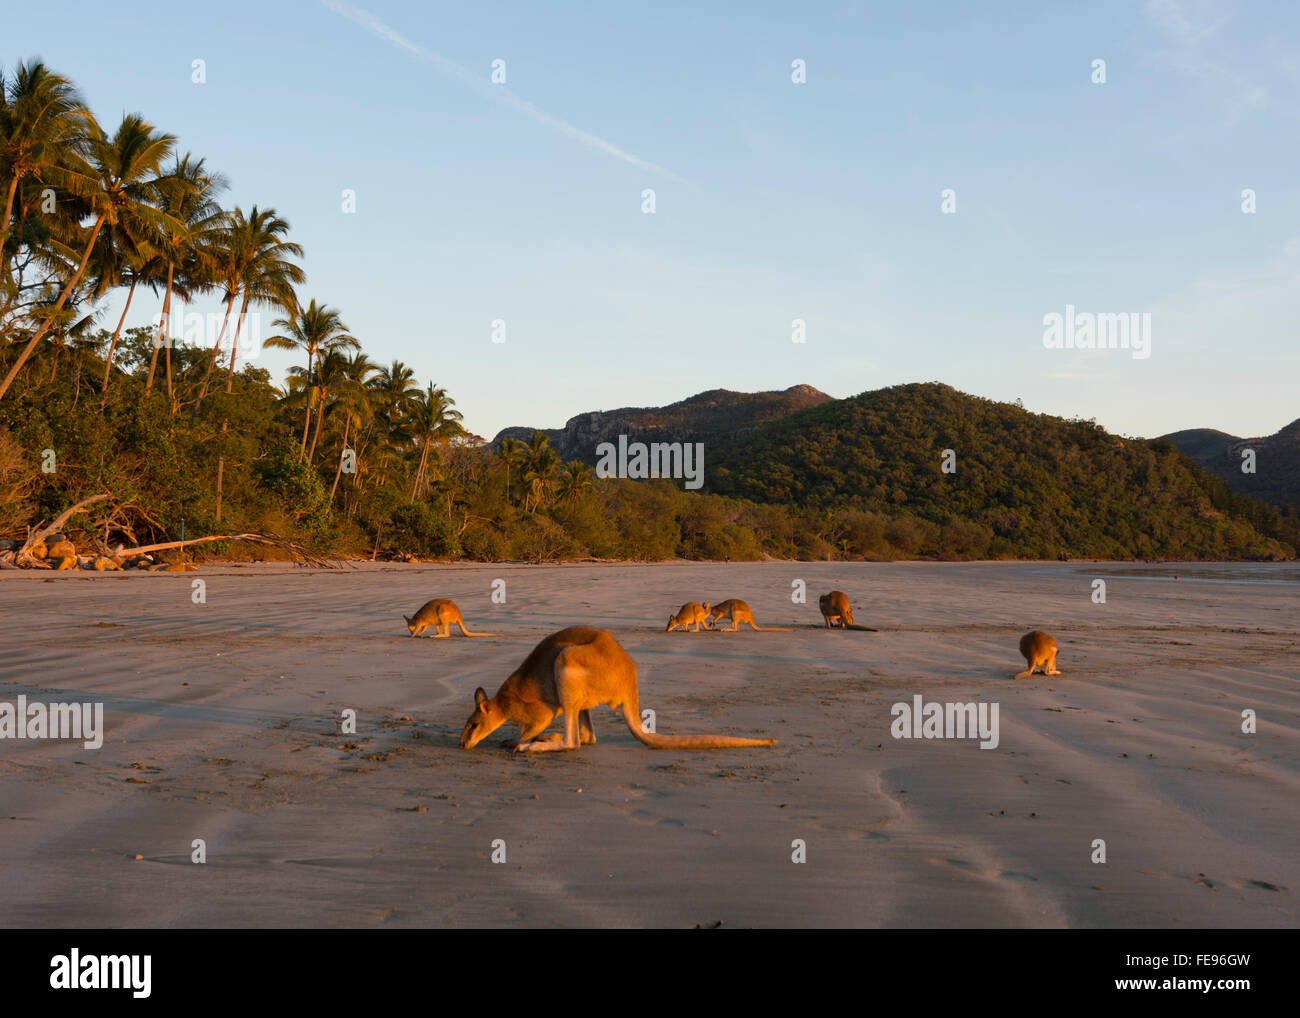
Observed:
{"x":499,"y":93}
{"x":1186,"y":25}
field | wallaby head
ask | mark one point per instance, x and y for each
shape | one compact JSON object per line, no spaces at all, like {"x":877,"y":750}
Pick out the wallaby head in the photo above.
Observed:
{"x":485,"y":720}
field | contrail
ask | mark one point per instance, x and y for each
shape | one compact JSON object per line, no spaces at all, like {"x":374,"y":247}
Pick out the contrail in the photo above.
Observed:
{"x":500,"y":93}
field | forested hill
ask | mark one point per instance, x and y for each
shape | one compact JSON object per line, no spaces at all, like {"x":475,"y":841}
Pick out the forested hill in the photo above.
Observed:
{"x":1272,"y":462}
{"x":1039,"y":484}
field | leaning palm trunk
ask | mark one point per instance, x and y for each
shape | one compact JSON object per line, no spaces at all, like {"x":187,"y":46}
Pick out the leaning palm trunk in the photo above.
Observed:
{"x":419,"y":473}
{"x":158,"y":339}
{"x":108,"y":361}
{"x":347,"y":423}
{"x":306,"y":422}
{"x":39,"y":334}
{"x":9,"y":208}
{"x":234,"y":343}
{"x":315,"y":435}
{"x":216,"y":348}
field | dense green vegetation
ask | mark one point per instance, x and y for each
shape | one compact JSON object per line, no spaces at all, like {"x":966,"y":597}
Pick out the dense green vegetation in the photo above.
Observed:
{"x":355,"y":457}
{"x":1022,"y":483}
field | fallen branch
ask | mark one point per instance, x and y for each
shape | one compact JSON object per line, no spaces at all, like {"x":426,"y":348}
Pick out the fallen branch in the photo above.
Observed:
{"x":271,"y":539}
{"x":25,"y":559}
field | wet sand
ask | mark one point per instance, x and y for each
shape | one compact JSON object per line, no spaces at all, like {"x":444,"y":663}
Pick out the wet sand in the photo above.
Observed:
{"x":223,"y":724}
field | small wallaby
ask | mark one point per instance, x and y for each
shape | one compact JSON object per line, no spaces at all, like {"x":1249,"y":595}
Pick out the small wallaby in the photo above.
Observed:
{"x":439,"y":613}
{"x":835,"y":606}
{"x":738,"y":611}
{"x":1038,"y":649}
{"x":691,"y":613}
{"x":568,"y":673}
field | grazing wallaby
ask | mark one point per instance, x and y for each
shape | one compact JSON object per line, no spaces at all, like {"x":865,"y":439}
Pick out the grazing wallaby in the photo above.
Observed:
{"x":738,"y":611}
{"x":439,"y":613}
{"x":835,"y":605}
{"x":691,"y":613}
{"x":569,"y":673}
{"x":1038,"y":649}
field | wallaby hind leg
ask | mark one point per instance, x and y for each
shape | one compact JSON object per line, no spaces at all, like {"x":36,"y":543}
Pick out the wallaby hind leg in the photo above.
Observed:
{"x":1051,"y":668}
{"x":1025,"y":674}
{"x":586,"y":734}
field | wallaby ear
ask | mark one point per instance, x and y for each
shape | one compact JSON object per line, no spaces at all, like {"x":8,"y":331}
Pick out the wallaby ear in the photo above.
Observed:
{"x":480,"y":697}
{"x":408,"y":619}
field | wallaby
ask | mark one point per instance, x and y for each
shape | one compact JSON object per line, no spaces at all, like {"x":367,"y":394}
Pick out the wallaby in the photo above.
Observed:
{"x":1038,"y":649}
{"x":691,"y":613}
{"x":738,"y":611}
{"x":835,"y":605}
{"x":568,"y":673}
{"x":439,"y":613}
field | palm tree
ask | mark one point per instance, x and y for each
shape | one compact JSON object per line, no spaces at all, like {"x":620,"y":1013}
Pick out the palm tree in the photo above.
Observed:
{"x":433,"y":419}
{"x":330,"y":376}
{"x":188,"y":194}
{"x":575,"y":480}
{"x":511,"y":452}
{"x":118,"y":256}
{"x":254,"y":260}
{"x":116,"y":183}
{"x":355,"y":399}
{"x":42,"y":119}
{"x":541,"y":460}
{"x":393,"y":390}
{"x":317,"y":329}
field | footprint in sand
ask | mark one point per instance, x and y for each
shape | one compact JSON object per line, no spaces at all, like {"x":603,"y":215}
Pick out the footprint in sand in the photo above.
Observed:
{"x":642,"y":816}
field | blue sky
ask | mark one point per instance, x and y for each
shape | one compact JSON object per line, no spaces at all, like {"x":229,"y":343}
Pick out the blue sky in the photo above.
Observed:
{"x":774,"y":200}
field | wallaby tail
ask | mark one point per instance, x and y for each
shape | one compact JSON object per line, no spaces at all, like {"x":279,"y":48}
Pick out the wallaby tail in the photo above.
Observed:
{"x":468,"y":633}
{"x":764,"y":629}
{"x":632,"y":716}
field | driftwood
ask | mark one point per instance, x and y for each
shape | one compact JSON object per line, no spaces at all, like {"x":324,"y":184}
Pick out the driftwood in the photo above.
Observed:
{"x":24,"y":556}
{"x":25,"y":559}
{"x":271,"y":539}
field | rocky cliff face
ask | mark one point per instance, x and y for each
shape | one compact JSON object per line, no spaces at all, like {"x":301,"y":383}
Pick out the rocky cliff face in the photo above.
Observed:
{"x":716,"y":415}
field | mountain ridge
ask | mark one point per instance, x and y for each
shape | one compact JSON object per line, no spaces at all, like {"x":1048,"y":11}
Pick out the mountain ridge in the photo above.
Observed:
{"x":712,"y":415}
{"x":1276,"y":475}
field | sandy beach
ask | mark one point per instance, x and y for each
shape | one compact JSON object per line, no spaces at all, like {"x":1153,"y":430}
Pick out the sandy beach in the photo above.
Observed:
{"x":223,"y":724}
